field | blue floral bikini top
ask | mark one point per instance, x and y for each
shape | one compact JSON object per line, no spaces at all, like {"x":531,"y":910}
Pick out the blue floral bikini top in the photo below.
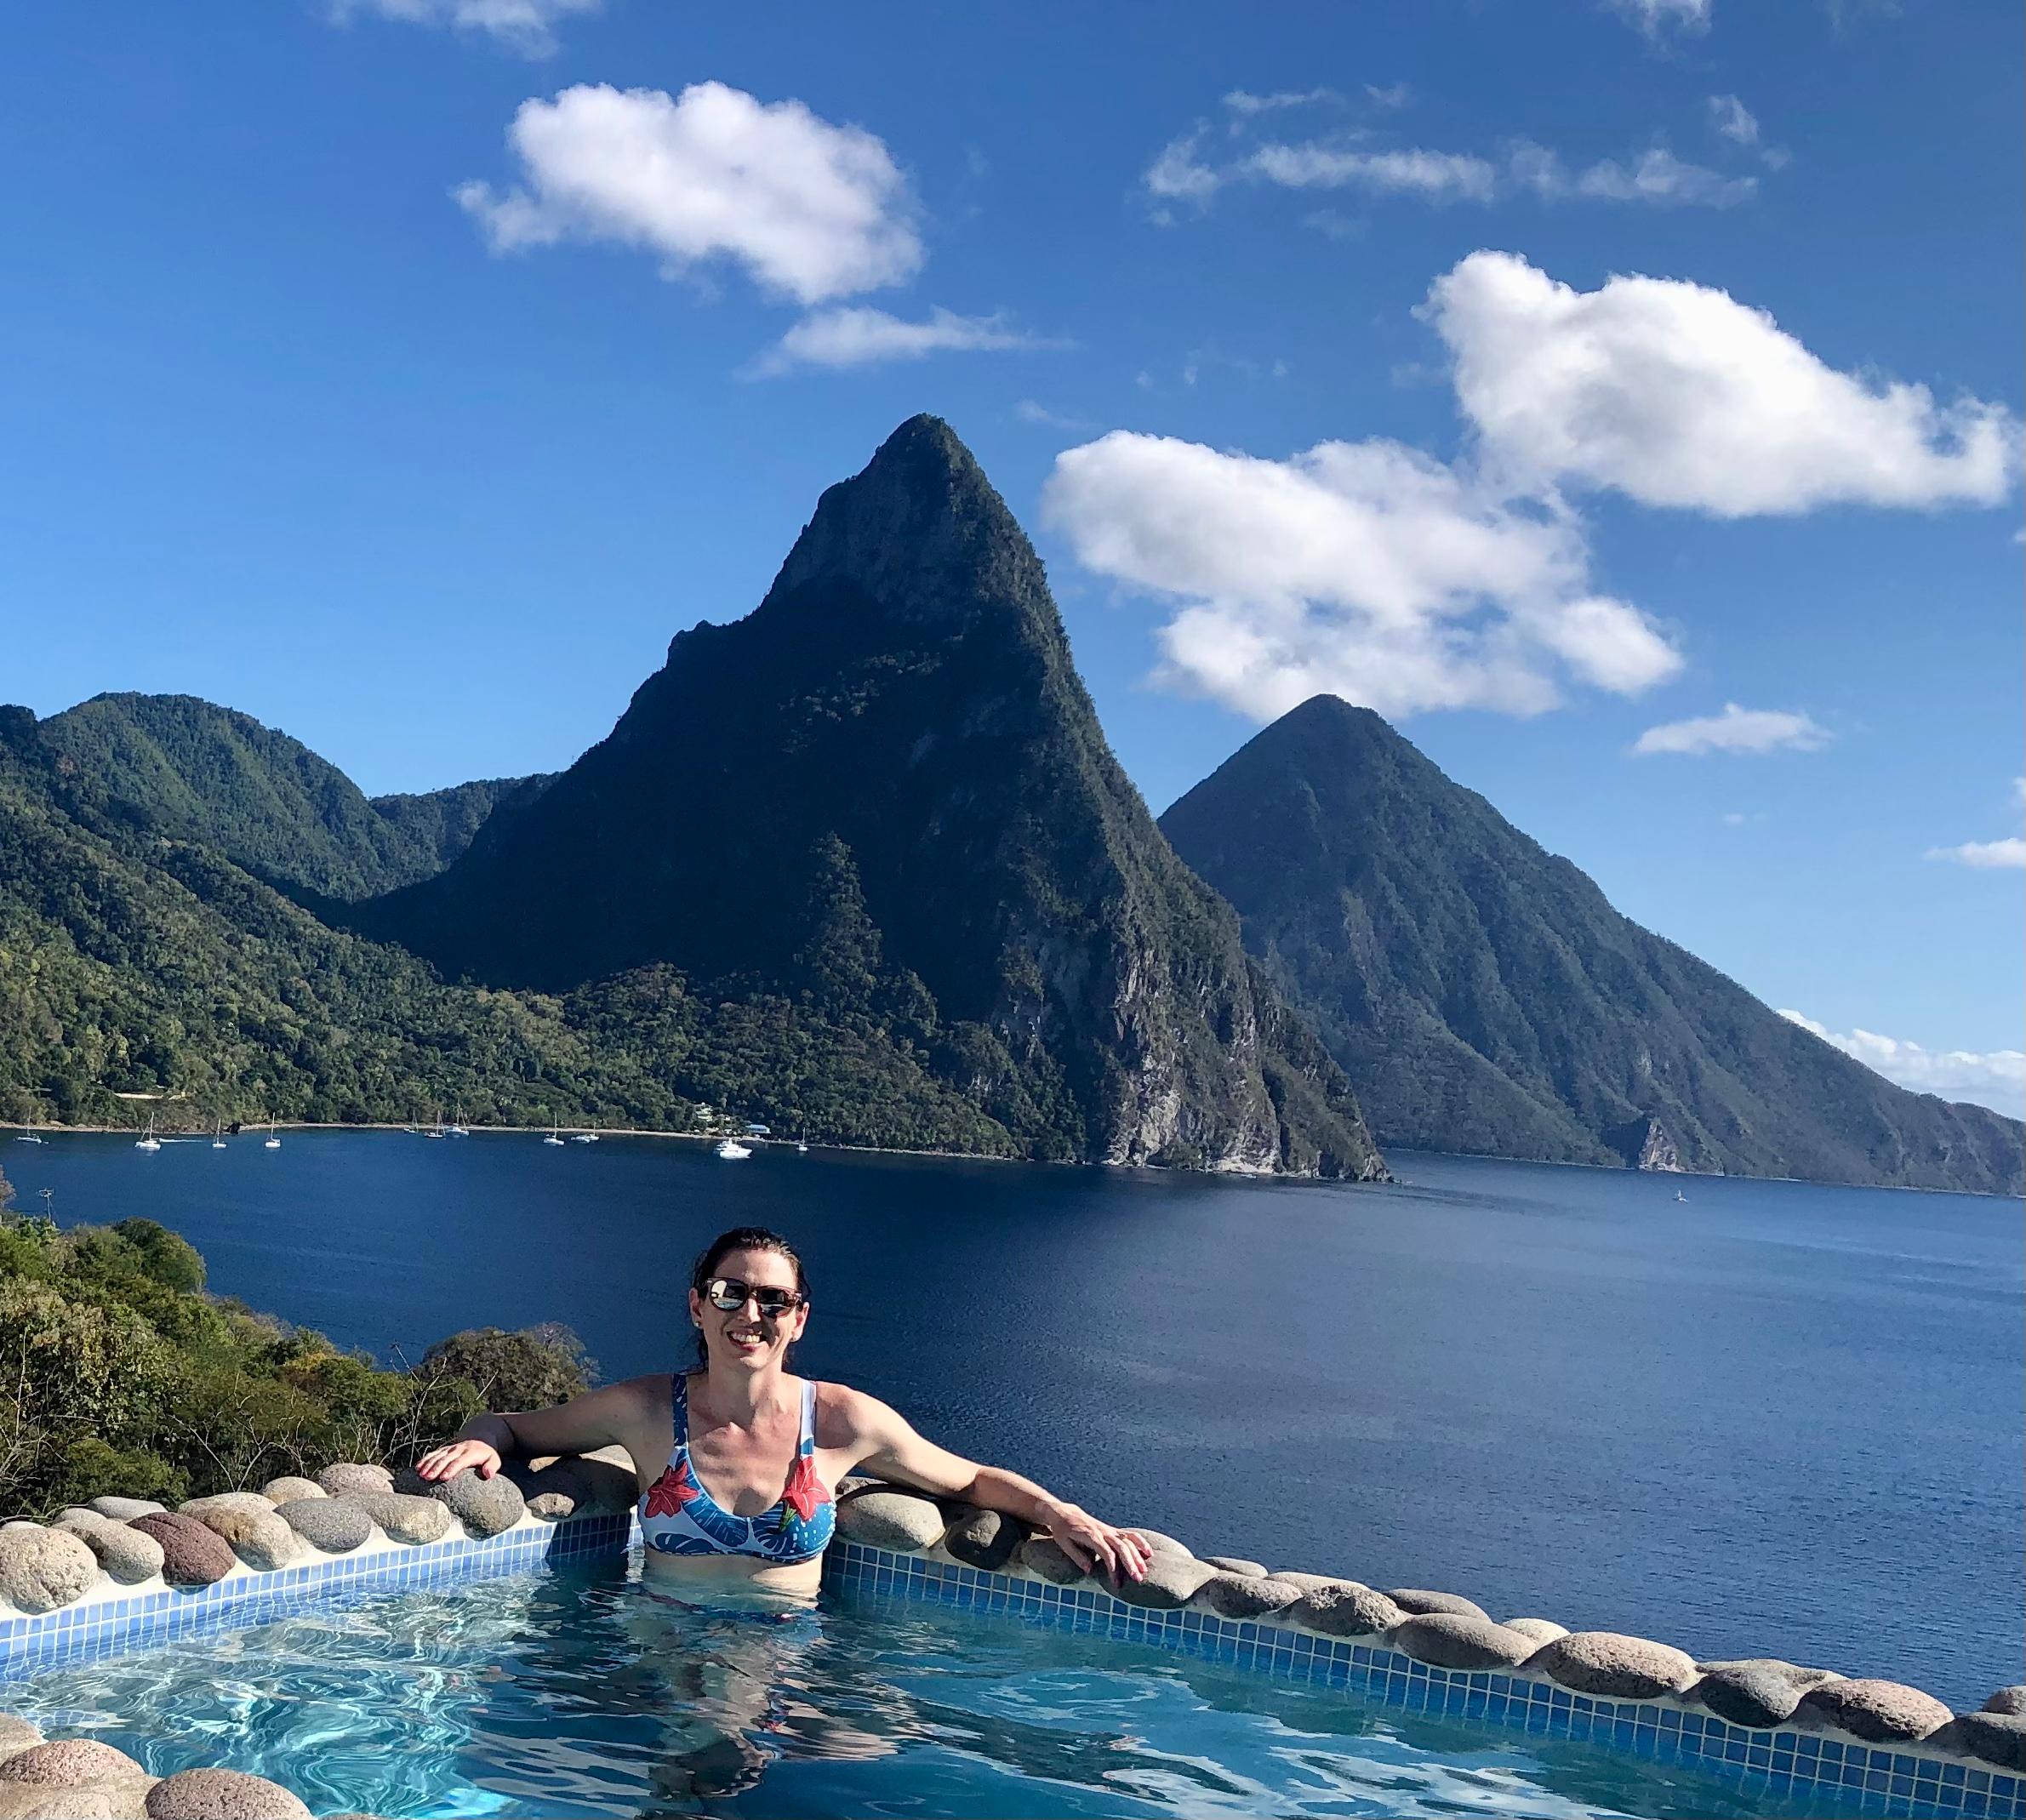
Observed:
{"x":678,"y":1516}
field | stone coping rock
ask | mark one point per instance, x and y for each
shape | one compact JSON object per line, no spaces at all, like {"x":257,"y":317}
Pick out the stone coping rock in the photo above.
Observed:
{"x":1614,"y":1667}
{"x":43,"y":1569}
{"x":222,"y":1794}
{"x":192,"y":1554}
{"x":1879,"y":1712}
{"x":1454,"y":1639}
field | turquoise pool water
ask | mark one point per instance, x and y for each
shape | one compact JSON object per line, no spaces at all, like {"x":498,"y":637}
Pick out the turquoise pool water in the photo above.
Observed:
{"x":578,"y":1691}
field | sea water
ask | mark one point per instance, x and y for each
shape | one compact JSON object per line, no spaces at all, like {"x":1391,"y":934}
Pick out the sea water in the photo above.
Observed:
{"x":1767,"y":1418}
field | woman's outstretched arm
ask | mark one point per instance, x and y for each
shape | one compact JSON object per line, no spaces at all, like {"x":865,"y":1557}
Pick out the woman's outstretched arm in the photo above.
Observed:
{"x":596,"y":1419}
{"x":891,"y":1449}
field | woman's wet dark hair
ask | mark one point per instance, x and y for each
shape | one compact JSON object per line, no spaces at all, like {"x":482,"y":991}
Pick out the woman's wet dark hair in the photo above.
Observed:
{"x":743,"y":1239}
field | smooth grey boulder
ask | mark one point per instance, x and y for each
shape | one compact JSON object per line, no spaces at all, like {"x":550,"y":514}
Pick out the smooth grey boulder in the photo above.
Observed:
{"x":1998,"y":1738}
{"x":1879,"y":1712}
{"x":222,"y":1794}
{"x":1453,"y":1639}
{"x":1228,"y":1594}
{"x":290,"y":1487}
{"x":1166,"y":1586}
{"x":42,"y":1570}
{"x":16,"y":1735}
{"x":1417,"y":1601}
{"x":191,"y":1555}
{"x":1251,"y":1570}
{"x":1309,"y":1583}
{"x":1158,"y":1545}
{"x":2007,"y":1700}
{"x":69,"y":1763}
{"x":125,"y":1509}
{"x":412,"y":1520}
{"x":1344,"y":1608}
{"x":986,"y":1539}
{"x":552,"y":1488}
{"x":125,"y":1553}
{"x":485,"y":1507}
{"x":1615,"y":1666}
{"x":336,"y":1525}
{"x":1756,"y":1691}
{"x":1043,"y":1555}
{"x":259,"y":1537}
{"x":1541,"y":1629}
{"x":886,"y":1519}
{"x":350,"y":1475}
{"x":251,"y":1502}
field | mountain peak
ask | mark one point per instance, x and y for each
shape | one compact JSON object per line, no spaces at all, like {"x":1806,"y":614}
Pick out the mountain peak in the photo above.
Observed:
{"x":920,"y":530}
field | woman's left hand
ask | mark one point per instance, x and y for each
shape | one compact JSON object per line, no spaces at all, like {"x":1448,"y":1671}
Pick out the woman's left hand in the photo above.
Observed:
{"x":1098,"y":1547}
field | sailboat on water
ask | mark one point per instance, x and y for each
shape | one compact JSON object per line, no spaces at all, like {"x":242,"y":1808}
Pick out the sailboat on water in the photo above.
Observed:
{"x":217,"y":1136}
{"x":271,"y":1142}
{"x":555,"y":1135}
{"x":457,"y":1124}
{"x":148,"y":1141}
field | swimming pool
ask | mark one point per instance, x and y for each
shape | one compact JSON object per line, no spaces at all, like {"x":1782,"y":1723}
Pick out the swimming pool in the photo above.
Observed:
{"x":578,"y":1691}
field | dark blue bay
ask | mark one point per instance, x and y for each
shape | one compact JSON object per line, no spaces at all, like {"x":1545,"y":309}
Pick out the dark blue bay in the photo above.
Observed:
{"x":1774,"y":1419}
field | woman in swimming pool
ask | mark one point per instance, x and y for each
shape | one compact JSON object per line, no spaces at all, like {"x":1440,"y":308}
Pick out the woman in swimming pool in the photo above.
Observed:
{"x":772,"y":1445}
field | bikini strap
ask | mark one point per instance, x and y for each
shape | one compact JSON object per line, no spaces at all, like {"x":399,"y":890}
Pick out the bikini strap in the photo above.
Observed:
{"x":807,"y":1442}
{"x":679,"y":1406}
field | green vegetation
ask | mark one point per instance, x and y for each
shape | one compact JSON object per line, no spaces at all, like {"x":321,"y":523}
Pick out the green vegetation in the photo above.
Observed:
{"x":1484,"y":997}
{"x":122,"y":1377}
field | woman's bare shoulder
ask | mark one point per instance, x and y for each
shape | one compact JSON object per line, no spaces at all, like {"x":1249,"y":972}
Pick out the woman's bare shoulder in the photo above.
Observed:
{"x":844,"y":1416}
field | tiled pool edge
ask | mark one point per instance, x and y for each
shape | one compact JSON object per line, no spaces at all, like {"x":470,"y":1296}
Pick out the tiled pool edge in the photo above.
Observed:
{"x":120,"y":1617}
{"x":1784,"y":1762}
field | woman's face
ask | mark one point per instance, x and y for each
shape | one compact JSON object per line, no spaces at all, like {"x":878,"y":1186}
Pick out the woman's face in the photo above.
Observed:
{"x":745,"y":1337}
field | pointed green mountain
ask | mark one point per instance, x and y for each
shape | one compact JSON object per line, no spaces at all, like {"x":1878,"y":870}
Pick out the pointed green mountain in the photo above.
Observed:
{"x":884,"y":793}
{"x":1484,"y":997}
{"x":195,"y":772}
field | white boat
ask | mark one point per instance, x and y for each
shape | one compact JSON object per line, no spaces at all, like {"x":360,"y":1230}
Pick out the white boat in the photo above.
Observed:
{"x":801,"y":1147}
{"x":271,"y":1142}
{"x":26,"y":1137}
{"x":149,"y":1141}
{"x":436,"y":1130}
{"x":457,"y":1124}
{"x":731,"y":1150}
{"x":555,"y":1136}
{"x":584,"y":1137}
{"x":1679,"y":1196}
{"x":217,"y":1136}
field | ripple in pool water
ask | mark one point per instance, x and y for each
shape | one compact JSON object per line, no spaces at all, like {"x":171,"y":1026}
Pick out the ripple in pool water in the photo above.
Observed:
{"x":581,"y":1692}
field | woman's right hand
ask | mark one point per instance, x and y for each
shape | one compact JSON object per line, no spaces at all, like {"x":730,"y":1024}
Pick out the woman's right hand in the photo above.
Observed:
{"x":450,"y":1459}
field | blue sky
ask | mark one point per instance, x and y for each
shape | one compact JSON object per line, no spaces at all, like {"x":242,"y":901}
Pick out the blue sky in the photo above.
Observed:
{"x":1624,"y":398}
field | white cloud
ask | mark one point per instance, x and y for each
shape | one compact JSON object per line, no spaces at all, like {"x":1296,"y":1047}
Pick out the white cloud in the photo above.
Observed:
{"x":1676,"y":394}
{"x":526,"y":26}
{"x":1656,"y":177}
{"x":1736,"y":730}
{"x":1367,"y":569}
{"x":859,"y":337}
{"x":1180,"y":175}
{"x":1396,"y":95}
{"x":1657,"y":17}
{"x":808,"y":210}
{"x":1030,"y":412}
{"x":1241,"y":102}
{"x":1733,"y":120}
{"x":1436,"y":176}
{"x":1990,"y":856}
{"x":1659,"y":176}
{"x":1996,"y":1079}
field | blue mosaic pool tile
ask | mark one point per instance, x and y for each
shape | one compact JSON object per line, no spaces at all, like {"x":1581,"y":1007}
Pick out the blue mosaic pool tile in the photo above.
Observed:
{"x":1827,"y":1774}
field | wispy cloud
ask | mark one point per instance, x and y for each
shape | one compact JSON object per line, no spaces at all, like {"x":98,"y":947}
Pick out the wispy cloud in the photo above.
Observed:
{"x":1733,"y":120}
{"x":1658,"y":17}
{"x":1751,"y":730}
{"x":807,"y":209}
{"x":528,"y":26}
{"x":1028,"y":412}
{"x":1995,"y":1078}
{"x":2004,"y":855}
{"x":861,"y":336}
{"x":1656,"y":176}
{"x":1242,"y":101}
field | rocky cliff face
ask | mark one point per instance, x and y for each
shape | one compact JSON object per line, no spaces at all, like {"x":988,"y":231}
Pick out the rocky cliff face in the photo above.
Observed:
{"x":1483,"y":996}
{"x":886,"y":790}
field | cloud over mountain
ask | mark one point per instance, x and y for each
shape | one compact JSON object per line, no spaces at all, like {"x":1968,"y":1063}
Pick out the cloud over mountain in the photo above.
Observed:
{"x":1736,"y":730}
{"x":1996,"y":1079}
{"x":858,"y":336}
